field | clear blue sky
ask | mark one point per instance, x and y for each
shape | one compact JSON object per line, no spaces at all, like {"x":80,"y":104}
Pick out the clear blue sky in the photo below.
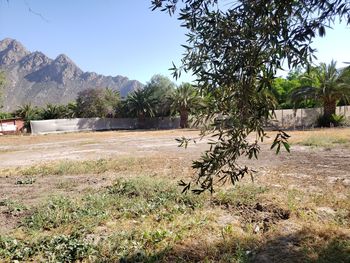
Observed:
{"x":117,"y":37}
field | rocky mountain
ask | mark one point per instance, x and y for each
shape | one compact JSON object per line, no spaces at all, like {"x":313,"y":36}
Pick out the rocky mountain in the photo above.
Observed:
{"x":32,"y":77}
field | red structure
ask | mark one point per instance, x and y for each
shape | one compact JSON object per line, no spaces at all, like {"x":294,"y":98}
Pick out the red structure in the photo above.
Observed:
{"x":11,"y":126}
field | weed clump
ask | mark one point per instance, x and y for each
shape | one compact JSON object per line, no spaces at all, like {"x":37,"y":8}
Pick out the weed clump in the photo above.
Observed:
{"x":61,"y":248}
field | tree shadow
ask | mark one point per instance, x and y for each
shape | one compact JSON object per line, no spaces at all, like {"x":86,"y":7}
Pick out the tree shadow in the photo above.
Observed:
{"x":105,"y":124}
{"x":306,"y":245}
{"x":161,"y":123}
{"x":310,"y":117}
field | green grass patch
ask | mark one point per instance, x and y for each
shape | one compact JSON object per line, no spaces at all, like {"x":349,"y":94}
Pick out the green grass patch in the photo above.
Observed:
{"x":12,"y":206}
{"x":146,"y":219}
{"x":74,"y":167}
{"x":155,"y":204}
{"x":61,"y":248}
{"x":324,"y":141}
{"x":248,"y":194}
{"x":325,"y":246}
{"x":129,"y":199}
{"x":71,"y":167}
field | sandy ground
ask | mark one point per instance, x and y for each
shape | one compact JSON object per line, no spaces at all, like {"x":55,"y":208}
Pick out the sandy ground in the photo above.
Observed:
{"x":330,"y":164}
{"x":28,"y":150}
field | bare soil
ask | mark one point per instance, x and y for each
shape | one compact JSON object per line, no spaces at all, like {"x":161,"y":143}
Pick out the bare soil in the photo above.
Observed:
{"x":28,"y":150}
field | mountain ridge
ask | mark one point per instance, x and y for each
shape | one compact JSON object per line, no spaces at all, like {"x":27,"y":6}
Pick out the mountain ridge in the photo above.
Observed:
{"x":33,"y":77}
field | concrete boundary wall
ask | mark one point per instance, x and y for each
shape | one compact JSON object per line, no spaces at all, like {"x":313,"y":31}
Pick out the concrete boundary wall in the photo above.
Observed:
{"x":302,"y":118}
{"x":284,"y":119}
{"x":100,"y":124}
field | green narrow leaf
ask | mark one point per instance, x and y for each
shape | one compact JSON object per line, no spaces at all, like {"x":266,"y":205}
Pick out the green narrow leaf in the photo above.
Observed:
{"x":286,"y":146}
{"x":278,"y":148}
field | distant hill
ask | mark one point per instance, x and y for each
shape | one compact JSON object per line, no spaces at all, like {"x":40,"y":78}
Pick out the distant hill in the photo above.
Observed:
{"x":32,"y":77}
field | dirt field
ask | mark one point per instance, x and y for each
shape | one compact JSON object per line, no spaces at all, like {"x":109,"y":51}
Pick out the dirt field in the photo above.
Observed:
{"x":315,"y":178}
{"x":329,"y":163}
{"x":28,"y":150}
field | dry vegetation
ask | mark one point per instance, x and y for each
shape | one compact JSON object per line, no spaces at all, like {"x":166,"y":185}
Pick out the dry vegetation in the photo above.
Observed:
{"x":113,"y":197}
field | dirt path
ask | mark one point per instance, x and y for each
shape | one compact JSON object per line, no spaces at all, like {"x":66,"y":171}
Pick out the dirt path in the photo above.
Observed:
{"x":27,"y":150}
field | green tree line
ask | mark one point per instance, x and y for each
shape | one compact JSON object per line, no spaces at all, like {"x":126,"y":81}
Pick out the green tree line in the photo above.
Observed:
{"x":324,"y":86}
{"x":320,"y":86}
{"x":159,"y":98}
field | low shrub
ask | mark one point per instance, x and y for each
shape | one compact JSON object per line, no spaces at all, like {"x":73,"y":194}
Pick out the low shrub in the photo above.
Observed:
{"x":334,"y":121}
{"x":61,"y":248}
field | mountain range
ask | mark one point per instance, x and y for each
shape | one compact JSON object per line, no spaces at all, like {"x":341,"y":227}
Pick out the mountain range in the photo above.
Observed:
{"x":32,"y":77}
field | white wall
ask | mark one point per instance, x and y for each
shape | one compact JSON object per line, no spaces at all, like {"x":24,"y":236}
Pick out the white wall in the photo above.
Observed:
{"x":6,"y":127}
{"x":98,"y":124}
{"x":302,"y":118}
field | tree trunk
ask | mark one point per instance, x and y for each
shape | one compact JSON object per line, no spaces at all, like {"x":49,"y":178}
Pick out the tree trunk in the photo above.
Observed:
{"x":184,"y":119}
{"x":328,"y":110}
{"x":141,"y":121}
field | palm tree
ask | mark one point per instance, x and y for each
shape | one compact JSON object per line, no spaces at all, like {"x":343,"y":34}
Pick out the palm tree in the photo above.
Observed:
{"x":184,"y":99}
{"x":332,"y":85}
{"x":27,"y":112}
{"x":71,"y":110}
{"x":51,"y":111}
{"x":112,"y":101}
{"x":141,"y":103}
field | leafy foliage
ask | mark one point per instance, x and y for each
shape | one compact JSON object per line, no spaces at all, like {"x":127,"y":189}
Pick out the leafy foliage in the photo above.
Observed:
{"x":282,"y":89}
{"x":112,"y":101}
{"x":235,"y":52}
{"x":331,"y":86}
{"x":161,"y":88}
{"x":52,"y":111}
{"x":334,"y":120}
{"x":71,"y":110}
{"x":28,"y":113}
{"x":185,"y":99}
{"x":338,"y":120}
{"x":97,"y":103}
{"x":141,"y":103}
{"x":5,"y":115}
{"x":281,"y":139}
{"x":61,"y":248}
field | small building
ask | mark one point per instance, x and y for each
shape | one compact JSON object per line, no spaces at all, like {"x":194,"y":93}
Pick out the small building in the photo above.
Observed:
{"x":11,"y":126}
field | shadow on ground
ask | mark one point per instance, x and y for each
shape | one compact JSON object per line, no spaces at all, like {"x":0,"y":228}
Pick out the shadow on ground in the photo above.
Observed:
{"x":307,"y":245}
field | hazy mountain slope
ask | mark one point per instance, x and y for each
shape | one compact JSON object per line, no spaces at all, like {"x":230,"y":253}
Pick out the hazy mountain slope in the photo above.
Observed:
{"x":34,"y":78}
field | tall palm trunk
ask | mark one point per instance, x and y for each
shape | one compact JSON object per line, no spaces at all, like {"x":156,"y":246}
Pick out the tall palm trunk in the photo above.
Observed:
{"x":141,"y":119}
{"x":184,"y":118}
{"x":329,"y":107}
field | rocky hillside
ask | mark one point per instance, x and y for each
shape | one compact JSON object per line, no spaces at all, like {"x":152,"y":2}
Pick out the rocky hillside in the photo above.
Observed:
{"x":32,"y":77}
